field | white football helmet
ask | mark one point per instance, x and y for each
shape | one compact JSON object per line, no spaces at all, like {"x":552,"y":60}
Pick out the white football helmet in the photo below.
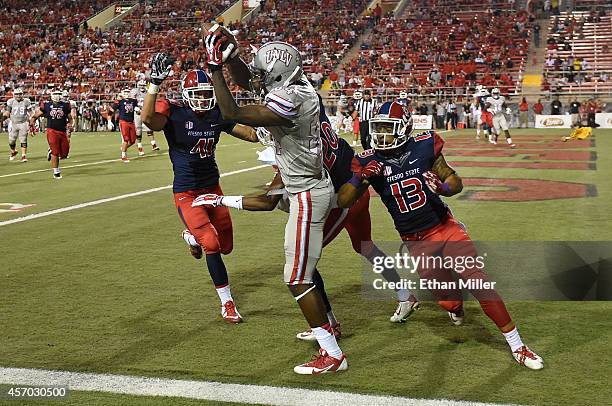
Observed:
{"x":403,"y":95}
{"x":134,"y":94}
{"x":142,"y":85}
{"x":125,"y":93}
{"x":56,"y":96}
{"x":18,"y":94}
{"x":357,"y":95}
{"x":495,"y":93}
{"x":65,"y":96}
{"x":275,"y":64}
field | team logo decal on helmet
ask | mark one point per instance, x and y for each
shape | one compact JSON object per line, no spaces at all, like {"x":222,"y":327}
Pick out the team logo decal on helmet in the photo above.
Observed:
{"x":391,"y":126}
{"x":197,"y":90}
{"x":275,"y":64}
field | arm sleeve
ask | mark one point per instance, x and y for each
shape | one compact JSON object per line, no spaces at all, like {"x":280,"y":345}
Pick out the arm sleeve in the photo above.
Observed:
{"x":162,"y":107}
{"x":281,"y":103}
{"x":438,"y":144}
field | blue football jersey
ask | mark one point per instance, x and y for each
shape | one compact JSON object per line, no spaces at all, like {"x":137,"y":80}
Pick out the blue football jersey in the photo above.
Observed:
{"x":192,"y":140}
{"x":57,"y":115}
{"x":401,"y":186}
{"x":337,"y":153}
{"x":126,"y":109}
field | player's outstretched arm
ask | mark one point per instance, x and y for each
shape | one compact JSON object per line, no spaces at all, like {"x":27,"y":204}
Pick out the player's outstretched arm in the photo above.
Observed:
{"x":239,"y":72}
{"x":445,"y":181}
{"x":245,"y":133}
{"x":161,"y":65}
{"x":263,"y":202}
{"x":351,"y":191}
{"x":35,"y":117}
{"x":253,"y":114}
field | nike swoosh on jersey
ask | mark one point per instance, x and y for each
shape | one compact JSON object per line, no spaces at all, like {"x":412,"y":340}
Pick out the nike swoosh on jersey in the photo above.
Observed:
{"x":411,"y":162}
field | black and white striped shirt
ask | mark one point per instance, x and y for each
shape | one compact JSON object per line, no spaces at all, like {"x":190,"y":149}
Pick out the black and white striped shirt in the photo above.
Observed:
{"x":366,"y":109}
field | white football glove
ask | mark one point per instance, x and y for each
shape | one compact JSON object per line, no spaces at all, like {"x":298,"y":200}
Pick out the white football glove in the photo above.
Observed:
{"x":161,"y":66}
{"x":264,"y":136}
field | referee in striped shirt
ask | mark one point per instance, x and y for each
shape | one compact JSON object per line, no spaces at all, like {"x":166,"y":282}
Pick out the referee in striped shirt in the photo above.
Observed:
{"x":366,"y":108}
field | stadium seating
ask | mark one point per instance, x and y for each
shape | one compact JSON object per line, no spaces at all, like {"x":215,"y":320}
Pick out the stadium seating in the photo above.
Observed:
{"x":578,"y":55}
{"x":486,"y":47}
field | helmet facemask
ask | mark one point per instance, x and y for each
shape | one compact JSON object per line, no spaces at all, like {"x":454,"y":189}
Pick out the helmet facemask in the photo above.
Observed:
{"x":18,"y":94}
{"x":56,"y":96}
{"x":389,"y":133}
{"x":200,"y":98}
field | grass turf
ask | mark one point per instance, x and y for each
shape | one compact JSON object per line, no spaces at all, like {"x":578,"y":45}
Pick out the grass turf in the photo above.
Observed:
{"x":111,"y":288}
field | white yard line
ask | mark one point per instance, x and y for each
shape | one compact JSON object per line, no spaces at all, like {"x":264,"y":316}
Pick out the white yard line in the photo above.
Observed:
{"x":109,"y":199}
{"x":204,"y":390}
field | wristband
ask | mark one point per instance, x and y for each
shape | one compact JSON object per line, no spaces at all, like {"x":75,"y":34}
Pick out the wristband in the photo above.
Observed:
{"x":234,"y":202}
{"x":355,"y":181}
{"x":445,"y":187}
{"x":153,"y":88}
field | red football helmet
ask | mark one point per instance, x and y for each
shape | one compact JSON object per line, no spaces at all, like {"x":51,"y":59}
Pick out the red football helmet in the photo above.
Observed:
{"x":197,"y":90}
{"x":394,"y":119}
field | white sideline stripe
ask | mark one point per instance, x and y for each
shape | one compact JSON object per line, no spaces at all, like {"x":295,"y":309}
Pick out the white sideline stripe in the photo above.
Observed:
{"x":109,"y":199}
{"x":205,"y":390}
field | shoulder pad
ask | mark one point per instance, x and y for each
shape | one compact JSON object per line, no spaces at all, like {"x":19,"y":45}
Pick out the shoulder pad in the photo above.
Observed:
{"x":423,"y":135}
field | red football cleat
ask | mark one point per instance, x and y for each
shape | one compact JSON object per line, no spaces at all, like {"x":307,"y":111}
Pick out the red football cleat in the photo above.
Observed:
{"x":125,"y":159}
{"x":322,"y":364}
{"x":140,"y":151}
{"x":230,"y":313}
{"x":524,"y":356}
{"x":12,"y":155}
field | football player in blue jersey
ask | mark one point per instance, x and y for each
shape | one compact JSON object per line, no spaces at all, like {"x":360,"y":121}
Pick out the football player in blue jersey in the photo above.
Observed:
{"x":192,"y":128}
{"x":410,"y":174}
{"x":337,"y":159}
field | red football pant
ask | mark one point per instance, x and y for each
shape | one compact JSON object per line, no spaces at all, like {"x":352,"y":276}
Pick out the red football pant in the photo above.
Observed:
{"x":356,"y":221}
{"x":128,"y":131}
{"x":211,"y":226}
{"x":58,"y":142}
{"x":433,"y":242}
{"x":487,"y":118}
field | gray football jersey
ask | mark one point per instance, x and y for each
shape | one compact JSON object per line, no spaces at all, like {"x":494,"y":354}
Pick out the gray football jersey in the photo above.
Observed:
{"x":140,"y":98}
{"x":496,"y":105}
{"x":298,"y":148}
{"x":19,"y":110}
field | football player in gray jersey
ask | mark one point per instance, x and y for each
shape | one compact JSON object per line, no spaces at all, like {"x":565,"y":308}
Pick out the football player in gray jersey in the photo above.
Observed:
{"x":18,"y":110}
{"x":140,"y":93}
{"x":290,"y":112}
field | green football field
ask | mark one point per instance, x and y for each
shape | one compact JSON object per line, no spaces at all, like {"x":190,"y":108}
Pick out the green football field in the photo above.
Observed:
{"x":110,"y":287}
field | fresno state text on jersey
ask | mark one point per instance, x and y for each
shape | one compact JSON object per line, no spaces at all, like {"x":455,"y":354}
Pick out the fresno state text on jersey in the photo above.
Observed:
{"x":192,"y":139}
{"x":401,"y":185}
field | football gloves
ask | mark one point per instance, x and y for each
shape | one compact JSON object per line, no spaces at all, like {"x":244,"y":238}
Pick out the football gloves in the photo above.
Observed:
{"x":220,"y":46}
{"x":434,"y":183}
{"x":161,"y":65}
{"x":209,"y":199}
{"x":373,"y":168}
{"x":265,"y":137}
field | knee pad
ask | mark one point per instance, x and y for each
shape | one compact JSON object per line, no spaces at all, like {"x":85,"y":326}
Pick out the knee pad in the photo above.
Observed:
{"x":12,"y":145}
{"x":24,"y":145}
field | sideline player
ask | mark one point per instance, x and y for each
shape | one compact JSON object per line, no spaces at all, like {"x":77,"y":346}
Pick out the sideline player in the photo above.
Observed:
{"x":60,"y":121}
{"x":496,"y":103}
{"x":141,"y":92}
{"x":193,"y":127}
{"x":477,"y":107}
{"x":127,"y":108}
{"x":18,"y":110}
{"x":291,"y":113}
{"x":337,"y":158}
{"x":415,"y":174}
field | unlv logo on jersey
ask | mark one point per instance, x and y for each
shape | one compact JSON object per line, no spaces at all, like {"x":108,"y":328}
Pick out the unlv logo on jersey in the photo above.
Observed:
{"x":278,"y":55}
{"x":189,"y":125}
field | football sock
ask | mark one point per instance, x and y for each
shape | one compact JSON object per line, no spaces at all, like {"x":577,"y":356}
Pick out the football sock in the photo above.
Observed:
{"x":403,"y":295}
{"x":217,"y":270}
{"x":514,"y":339}
{"x":509,"y":140}
{"x":332,"y":318}
{"x":56,"y":170}
{"x":123,"y":154}
{"x":224,"y":294}
{"x":327,"y":341}
{"x":153,"y":143}
{"x":318,"y":281}
{"x":190,"y":239}
{"x":478,"y":132}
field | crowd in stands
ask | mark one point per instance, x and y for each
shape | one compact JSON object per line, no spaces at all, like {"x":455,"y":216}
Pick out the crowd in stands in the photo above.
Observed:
{"x":441,"y":49}
{"x":578,"y":51}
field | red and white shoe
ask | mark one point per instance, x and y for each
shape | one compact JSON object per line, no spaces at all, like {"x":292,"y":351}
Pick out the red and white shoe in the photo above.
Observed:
{"x":12,"y":155}
{"x":524,"y":356}
{"x":154,"y":147}
{"x":309,"y":336}
{"x":404,"y":310}
{"x":24,"y":158}
{"x":512,"y":145}
{"x":140,"y":151}
{"x":194,"y":250}
{"x":230,"y":313}
{"x":322,"y":364}
{"x":125,"y":159}
{"x":457,"y":318}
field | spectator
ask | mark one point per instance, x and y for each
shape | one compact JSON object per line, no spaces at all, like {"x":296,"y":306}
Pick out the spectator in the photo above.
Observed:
{"x":523,"y":113}
{"x":538,"y":108}
{"x":574,"y":109}
{"x":556,"y":106}
{"x":451,"y":115}
{"x":440,"y":111}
